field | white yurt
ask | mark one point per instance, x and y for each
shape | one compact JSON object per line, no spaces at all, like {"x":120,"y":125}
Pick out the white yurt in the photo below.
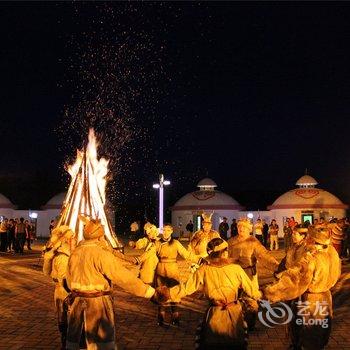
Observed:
{"x":52,"y":209}
{"x":206,"y":199}
{"x":307,"y":202}
{"x":6,"y":207}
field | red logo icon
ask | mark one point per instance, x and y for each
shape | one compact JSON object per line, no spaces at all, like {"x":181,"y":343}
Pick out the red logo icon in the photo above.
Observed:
{"x":203,"y":195}
{"x":307,"y":193}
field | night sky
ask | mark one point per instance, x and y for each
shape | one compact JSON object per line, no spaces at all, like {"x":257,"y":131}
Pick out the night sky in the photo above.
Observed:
{"x":249,"y":94}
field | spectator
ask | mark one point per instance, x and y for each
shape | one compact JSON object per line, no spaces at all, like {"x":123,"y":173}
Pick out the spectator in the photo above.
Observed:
{"x":134,"y":231}
{"x":11,"y":244}
{"x":189,"y":227}
{"x":265,"y":233}
{"x":223,"y":228}
{"x":20,"y":235}
{"x":234,"y":230}
{"x":292,"y":223}
{"x":258,"y":233}
{"x":3,"y":235}
{"x":287,"y":231}
{"x":306,"y":224}
{"x":322,"y":222}
{"x":52,"y":225}
{"x":346,"y":242}
{"x":28,"y":230}
{"x":273,"y":233}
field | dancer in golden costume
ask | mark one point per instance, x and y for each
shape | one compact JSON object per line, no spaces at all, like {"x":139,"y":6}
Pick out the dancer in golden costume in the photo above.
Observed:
{"x":246,"y":251}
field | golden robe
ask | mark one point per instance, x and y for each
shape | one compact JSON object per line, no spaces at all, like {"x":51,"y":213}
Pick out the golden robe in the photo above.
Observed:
{"x":220,"y":280}
{"x":167,"y":272}
{"x":309,"y":280}
{"x":91,"y":269}
{"x":148,"y":261}
{"x":246,"y":252}
{"x":199,"y":241}
{"x":293,"y":255}
{"x":142,"y":243}
{"x":55,"y":265}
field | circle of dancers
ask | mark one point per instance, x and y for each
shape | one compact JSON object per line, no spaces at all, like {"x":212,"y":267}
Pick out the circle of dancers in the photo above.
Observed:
{"x":222,"y":271}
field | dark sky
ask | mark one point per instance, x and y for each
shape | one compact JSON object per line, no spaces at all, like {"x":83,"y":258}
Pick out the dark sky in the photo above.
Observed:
{"x":254,"y":94}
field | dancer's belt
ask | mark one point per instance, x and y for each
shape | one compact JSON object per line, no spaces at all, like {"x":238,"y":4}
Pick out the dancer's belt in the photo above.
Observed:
{"x":91,"y":294}
{"x":165,"y":260}
{"x":252,"y":268}
{"x":325,"y":292}
{"x":222,"y":304}
{"x":58,"y":280}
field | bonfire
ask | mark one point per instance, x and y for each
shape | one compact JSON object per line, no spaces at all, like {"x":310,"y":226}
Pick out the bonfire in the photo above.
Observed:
{"x":87,"y":192}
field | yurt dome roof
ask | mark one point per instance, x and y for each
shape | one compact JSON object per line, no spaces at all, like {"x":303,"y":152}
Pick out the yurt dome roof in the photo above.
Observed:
{"x":206,"y":182}
{"x":307,"y":197}
{"x":5,"y":202}
{"x":306,"y":180}
{"x":56,"y":201}
{"x":206,"y":198}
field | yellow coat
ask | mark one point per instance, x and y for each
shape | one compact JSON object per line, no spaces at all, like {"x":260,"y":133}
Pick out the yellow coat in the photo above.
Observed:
{"x":92,"y":267}
{"x":167,"y":272}
{"x":55,"y":265}
{"x":310,"y":281}
{"x":316,"y":272}
{"x":199,"y":241}
{"x":220,"y":281}
{"x":148,"y":263}
{"x":293,"y":255}
{"x":247,"y":252}
{"x":142,"y":243}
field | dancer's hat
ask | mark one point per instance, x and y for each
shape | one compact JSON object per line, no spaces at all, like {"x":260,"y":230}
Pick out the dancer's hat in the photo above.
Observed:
{"x":93,"y":227}
{"x":320,"y":235}
{"x":207,"y":217}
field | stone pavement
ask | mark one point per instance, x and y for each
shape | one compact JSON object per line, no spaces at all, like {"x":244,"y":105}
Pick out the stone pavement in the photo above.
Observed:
{"x":27,"y":317}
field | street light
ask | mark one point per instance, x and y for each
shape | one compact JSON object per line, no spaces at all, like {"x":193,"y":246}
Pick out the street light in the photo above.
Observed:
{"x":160,"y":186}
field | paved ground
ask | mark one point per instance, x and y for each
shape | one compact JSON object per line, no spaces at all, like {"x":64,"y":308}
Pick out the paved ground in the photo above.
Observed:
{"x":27,"y":318}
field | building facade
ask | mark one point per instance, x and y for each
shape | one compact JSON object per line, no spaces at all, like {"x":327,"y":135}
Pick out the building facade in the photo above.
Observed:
{"x":41,"y":218}
{"x":306,"y":202}
{"x":206,"y":199}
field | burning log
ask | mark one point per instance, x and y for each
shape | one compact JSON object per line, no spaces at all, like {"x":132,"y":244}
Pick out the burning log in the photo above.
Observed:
{"x":87,"y":192}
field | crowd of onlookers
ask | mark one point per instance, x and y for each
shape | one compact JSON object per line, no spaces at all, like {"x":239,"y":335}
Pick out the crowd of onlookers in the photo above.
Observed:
{"x":15,"y":234}
{"x":268,"y":233}
{"x":339,"y":230}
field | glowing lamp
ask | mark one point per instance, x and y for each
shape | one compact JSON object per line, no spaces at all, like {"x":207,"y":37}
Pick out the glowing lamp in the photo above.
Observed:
{"x":250,"y":215}
{"x":160,"y":186}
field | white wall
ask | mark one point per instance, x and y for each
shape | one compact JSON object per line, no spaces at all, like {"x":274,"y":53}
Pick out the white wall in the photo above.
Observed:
{"x":281,"y":214}
{"x":7,"y":213}
{"x":187,"y":215}
{"x":278,"y":214}
{"x":44,"y":219}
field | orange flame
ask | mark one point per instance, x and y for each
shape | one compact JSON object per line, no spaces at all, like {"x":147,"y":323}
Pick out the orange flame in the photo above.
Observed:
{"x":87,"y":191}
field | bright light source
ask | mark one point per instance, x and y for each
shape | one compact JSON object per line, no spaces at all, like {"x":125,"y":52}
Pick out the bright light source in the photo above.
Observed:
{"x":166,"y":182}
{"x":250,"y":215}
{"x":33,"y":215}
{"x":156,"y":186}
